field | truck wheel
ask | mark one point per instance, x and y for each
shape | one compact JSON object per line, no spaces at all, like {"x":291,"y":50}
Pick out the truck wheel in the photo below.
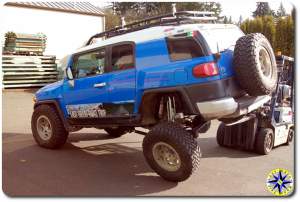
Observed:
{"x":264,"y":141}
{"x":116,"y":132}
{"x":290,"y":137}
{"x":220,"y":134}
{"x":47,"y":127}
{"x":171,"y":151}
{"x":255,"y":65}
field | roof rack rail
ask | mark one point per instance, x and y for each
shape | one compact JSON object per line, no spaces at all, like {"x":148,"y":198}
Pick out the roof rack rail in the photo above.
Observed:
{"x":176,"y":18}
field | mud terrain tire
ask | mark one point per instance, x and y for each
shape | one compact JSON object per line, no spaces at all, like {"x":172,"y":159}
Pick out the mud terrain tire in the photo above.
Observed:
{"x":52,"y":136}
{"x":181,"y":147}
{"x":255,"y":65}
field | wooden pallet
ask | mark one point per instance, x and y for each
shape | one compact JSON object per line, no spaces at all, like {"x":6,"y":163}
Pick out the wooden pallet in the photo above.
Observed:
{"x":28,"y":71}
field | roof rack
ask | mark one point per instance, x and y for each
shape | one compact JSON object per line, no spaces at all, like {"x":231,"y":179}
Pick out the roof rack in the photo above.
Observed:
{"x":176,"y":18}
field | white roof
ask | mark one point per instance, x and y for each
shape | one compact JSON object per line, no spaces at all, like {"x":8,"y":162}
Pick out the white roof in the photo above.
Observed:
{"x":154,"y":33}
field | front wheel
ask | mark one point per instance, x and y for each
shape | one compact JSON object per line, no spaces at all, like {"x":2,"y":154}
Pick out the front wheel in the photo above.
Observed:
{"x":47,"y":127}
{"x":171,"y":151}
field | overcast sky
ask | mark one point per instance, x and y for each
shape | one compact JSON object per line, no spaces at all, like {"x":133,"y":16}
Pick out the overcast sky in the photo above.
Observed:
{"x":234,"y":8}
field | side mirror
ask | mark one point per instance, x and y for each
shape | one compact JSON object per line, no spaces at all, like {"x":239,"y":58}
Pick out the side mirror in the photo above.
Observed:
{"x":69,"y":73}
{"x":70,"y":77}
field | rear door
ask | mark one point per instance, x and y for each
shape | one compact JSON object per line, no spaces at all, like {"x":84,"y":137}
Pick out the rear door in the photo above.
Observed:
{"x":122,"y":80}
{"x":222,"y":38}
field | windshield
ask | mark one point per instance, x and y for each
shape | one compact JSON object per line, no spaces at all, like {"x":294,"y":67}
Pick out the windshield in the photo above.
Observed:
{"x":221,"y":38}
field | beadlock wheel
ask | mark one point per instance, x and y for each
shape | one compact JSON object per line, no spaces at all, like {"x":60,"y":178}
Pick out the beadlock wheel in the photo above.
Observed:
{"x":44,"y":128}
{"x":166,"y":156}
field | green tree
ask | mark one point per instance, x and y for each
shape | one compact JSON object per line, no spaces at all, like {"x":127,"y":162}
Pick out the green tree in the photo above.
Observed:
{"x":280,"y":33}
{"x":240,"y":20}
{"x":225,"y":20}
{"x":262,"y":9}
{"x":281,"y":11}
{"x":133,"y":11}
{"x":111,"y":20}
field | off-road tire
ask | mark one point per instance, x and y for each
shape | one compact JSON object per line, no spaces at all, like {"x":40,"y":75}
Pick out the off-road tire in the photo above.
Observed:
{"x":261,"y":138}
{"x":182,"y":142}
{"x":290,"y":136}
{"x":116,"y":132}
{"x":247,"y":65}
{"x":221,"y":134}
{"x":59,"y":133}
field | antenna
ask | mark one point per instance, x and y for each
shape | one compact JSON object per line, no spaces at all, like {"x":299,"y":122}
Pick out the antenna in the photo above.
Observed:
{"x":123,"y":22}
{"x":174,"y":9}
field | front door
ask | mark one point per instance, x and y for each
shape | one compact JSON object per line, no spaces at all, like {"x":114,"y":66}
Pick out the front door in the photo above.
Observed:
{"x":86,"y":99}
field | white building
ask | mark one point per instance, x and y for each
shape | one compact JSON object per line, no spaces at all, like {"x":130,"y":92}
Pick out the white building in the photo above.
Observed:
{"x":67,"y":25}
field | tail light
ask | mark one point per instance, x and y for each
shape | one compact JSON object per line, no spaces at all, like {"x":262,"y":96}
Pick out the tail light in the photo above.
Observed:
{"x":206,"y":70}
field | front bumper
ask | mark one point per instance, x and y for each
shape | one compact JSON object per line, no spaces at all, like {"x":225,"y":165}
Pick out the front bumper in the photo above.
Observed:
{"x":229,"y":107}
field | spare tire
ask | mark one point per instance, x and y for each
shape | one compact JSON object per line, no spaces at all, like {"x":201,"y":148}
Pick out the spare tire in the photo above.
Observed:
{"x":255,"y":65}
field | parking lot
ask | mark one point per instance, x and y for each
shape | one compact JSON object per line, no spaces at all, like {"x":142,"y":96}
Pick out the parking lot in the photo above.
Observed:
{"x":93,"y":164}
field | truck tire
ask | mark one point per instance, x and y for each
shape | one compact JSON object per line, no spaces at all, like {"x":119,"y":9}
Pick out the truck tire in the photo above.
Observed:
{"x":264,"y":141}
{"x":171,"y":151}
{"x":220,"y":134}
{"x":47,"y":127}
{"x":116,"y":132}
{"x":255,"y":65}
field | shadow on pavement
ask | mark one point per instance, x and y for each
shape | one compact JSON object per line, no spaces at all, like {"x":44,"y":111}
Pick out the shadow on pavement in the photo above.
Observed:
{"x":210,"y":149}
{"x":111,"y":169}
{"x":76,"y":137}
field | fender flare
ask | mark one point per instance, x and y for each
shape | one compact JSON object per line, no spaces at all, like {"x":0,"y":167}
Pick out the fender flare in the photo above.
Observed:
{"x":190,"y":108}
{"x":58,"y":109}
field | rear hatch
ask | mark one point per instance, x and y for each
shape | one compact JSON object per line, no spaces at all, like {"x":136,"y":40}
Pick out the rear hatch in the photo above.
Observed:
{"x":221,"y":38}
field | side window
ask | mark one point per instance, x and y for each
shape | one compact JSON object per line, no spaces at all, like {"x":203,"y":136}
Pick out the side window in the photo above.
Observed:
{"x":89,"y":64}
{"x":183,"y":48}
{"x":122,"y":57}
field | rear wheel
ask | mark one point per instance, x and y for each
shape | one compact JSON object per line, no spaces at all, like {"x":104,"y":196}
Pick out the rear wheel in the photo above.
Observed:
{"x":47,"y":127}
{"x":264,"y":141}
{"x":171,"y":151}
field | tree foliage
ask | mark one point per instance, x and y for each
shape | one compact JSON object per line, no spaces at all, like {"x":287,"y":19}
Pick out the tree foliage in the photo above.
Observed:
{"x":262,"y":9}
{"x":281,"y":11}
{"x":279,"y":31}
{"x":133,"y":11}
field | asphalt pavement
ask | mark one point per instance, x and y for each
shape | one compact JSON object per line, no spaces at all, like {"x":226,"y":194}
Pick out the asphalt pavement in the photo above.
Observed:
{"x":93,"y":164}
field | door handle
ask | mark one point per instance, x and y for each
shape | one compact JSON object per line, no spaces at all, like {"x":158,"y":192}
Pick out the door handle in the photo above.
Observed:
{"x":99,"y":85}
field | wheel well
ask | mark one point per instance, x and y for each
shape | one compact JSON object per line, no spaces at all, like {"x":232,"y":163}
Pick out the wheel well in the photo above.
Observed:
{"x":149,"y":107}
{"x":55,"y":106}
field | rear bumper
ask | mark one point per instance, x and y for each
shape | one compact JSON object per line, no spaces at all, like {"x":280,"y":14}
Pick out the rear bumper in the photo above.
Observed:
{"x":229,"y":107}
{"x":217,"y":108}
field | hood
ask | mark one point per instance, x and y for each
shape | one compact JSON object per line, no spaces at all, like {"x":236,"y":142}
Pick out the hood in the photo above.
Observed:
{"x":50,"y":91}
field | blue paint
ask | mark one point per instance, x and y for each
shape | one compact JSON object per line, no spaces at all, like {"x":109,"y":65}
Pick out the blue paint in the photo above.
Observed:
{"x":154,"y":69}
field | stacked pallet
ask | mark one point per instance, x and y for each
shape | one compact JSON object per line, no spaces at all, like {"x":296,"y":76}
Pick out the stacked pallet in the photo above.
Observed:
{"x":28,"y":71}
{"x":24,"y":44}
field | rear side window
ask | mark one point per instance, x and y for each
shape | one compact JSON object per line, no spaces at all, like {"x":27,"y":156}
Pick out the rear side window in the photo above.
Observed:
{"x":183,"y":48}
{"x":122,"y":57}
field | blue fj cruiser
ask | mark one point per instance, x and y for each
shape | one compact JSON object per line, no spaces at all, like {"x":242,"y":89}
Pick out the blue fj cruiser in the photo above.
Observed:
{"x":170,"y":74}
